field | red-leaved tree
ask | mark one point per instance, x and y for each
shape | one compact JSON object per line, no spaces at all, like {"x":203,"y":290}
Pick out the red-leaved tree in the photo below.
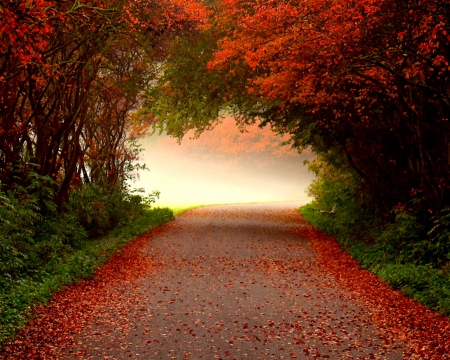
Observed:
{"x":370,"y":78}
{"x":71,"y":73}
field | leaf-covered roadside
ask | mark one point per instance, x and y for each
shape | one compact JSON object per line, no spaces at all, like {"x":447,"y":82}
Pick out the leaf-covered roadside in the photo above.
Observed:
{"x":426,"y":331}
{"x":71,"y":308}
{"x":20,"y":296}
{"x":216,"y":284}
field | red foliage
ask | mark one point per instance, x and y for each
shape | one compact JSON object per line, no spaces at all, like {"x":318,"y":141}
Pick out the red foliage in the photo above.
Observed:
{"x":299,"y":51}
{"x":54,"y":59}
{"x":369,"y":77}
{"x":24,"y":29}
{"x":226,"y":139}
{"x":398,"y":317}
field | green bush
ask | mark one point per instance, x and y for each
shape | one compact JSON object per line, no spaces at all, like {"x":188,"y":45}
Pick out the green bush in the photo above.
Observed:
{"x":100,"y":209}
{"x":93,"y":207}
{"x":410,"y":249}
{"x":33,"y":232}
{"x":33,"y":284}
{"x":43,"y":249}
{"x":340,"y":203}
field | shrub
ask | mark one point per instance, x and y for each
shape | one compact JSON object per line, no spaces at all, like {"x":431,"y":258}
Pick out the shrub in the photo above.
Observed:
{"x":409,"y":249}
{"x":36,"y":285}
{"x":343,"y":208}
{"x":42,"y":249}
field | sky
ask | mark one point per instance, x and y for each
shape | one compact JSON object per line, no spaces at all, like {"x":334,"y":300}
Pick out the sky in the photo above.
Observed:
{"x":223,"y":166}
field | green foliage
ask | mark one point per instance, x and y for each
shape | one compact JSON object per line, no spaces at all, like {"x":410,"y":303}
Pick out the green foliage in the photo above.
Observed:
{"x":439,"y":246}
{"x":341,"y":204}
{"x":188,"y":96}
{"x":425,"y":283}
{"x":410,"y":249}
{"x":34,"y":238}
{"x":29,"y":288}
{"x":99,"y":209}
{"x":42,"y":249}
{"x":32,"y":232}
{"x":414,"y":236}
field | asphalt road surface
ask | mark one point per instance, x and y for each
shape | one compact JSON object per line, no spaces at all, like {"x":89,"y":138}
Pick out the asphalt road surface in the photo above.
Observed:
{"x":232,"y":282}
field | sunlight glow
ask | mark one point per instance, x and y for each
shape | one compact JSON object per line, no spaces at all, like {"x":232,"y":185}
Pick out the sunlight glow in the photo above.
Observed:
{"x":223,"y":167}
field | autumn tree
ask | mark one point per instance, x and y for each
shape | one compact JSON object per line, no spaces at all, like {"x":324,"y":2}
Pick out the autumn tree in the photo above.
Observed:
{"x":57,"y":57}
{"x":369,"y":79}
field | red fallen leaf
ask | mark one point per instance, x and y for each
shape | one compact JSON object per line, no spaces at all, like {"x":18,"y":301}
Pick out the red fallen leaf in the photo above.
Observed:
{"x":388,"y":308}
{"x":75,"y":305}
{"x":292,"y":355}
{"x":246,"y":326}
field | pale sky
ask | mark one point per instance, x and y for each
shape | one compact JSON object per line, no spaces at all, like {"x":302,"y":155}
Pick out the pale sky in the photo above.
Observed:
{"x":223,"y":166}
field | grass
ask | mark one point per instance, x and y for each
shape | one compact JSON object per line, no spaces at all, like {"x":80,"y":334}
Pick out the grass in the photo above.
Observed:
{"x":17,"y":301}
{"x":179,"y":209}
{"x":425,"y":283}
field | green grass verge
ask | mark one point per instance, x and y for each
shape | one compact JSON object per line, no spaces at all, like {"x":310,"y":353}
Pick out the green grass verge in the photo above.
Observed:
{"x":178,"y":210}
{"x":17,"y":300}
{"x":426,"y":284}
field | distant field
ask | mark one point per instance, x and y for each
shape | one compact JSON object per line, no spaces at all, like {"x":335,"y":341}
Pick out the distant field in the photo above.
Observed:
{"x":179,"y":209}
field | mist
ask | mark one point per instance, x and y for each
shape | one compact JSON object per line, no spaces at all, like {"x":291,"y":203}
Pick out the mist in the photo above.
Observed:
{"x":223,"y":166}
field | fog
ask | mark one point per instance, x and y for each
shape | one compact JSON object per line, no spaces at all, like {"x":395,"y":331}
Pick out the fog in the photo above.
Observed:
{"x":223,"y":166}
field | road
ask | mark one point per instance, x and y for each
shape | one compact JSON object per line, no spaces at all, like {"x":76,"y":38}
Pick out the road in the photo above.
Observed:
{"x":232,"y":282}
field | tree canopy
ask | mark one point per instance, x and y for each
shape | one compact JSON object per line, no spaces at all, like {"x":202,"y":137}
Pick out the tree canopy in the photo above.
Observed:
{"x":365,"y":81}
{"x":71,"y":74}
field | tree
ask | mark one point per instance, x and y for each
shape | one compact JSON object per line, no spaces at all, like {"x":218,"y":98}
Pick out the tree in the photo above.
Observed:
{"x":53,"y":86}
{"x":368,"y":78}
